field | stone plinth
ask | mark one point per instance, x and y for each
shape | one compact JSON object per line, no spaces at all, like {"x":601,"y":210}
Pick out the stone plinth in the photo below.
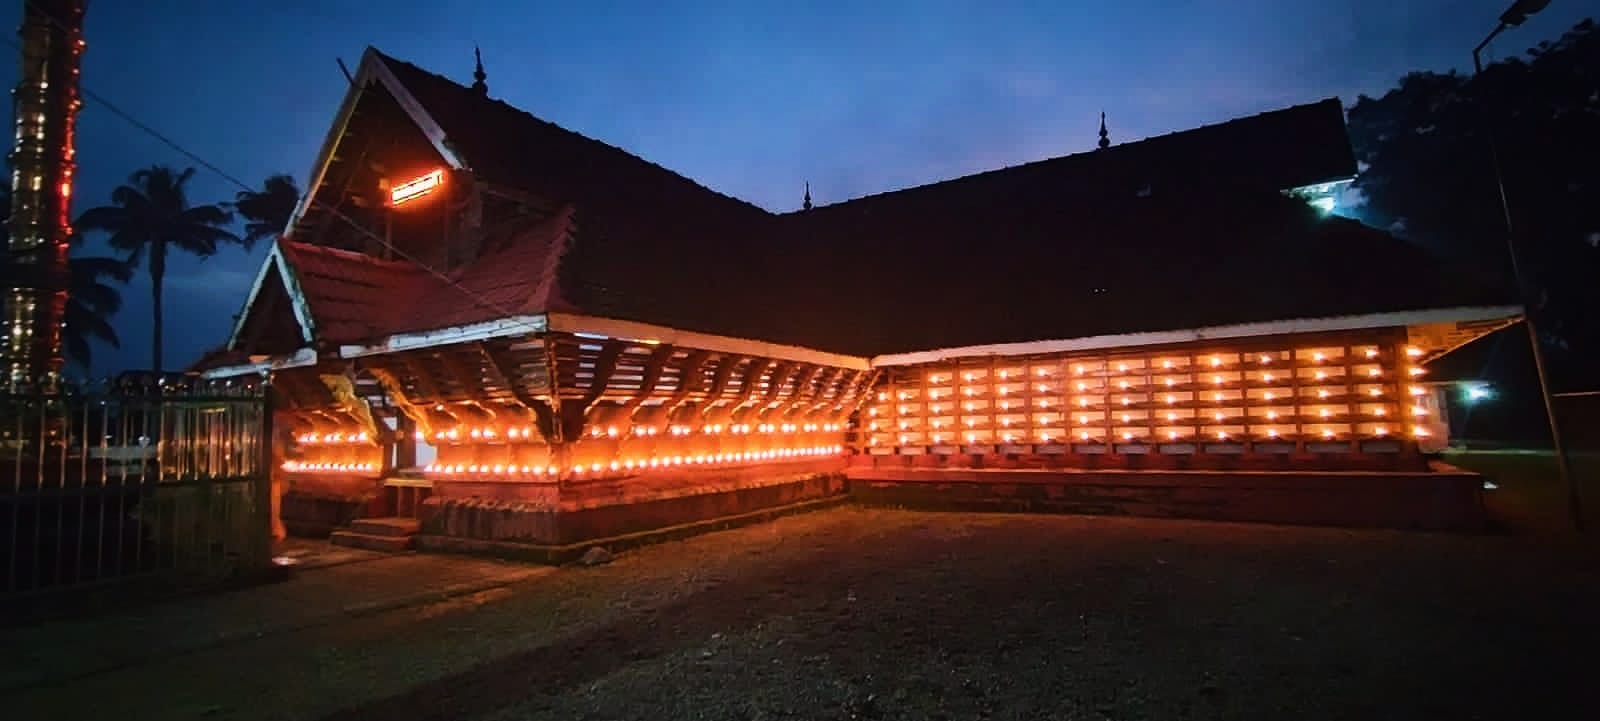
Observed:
{"x":549,"y":518}
{"x":1441,"y":498}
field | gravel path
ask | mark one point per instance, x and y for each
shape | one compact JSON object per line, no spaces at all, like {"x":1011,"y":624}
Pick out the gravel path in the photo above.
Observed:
{"x":855,"y":613}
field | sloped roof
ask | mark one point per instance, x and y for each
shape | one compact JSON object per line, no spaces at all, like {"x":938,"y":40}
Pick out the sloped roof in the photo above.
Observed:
{"x":349,"y":294}
{"x":1177,"y":231}
{"x":1276,"y":150}
{"x":1076,"y":261}
{"x":353,"y":297}
{"x":518,"y":279}
{"x":508,"y":146}
{"x":654,"y":245}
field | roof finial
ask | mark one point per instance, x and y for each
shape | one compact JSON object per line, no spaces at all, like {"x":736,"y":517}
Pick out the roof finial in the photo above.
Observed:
{"x":478,"y":76}
{"x":807,"y":204}
{"x":1105,"y":137}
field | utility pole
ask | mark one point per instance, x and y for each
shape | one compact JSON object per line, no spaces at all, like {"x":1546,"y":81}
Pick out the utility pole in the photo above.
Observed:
{"x":1512,"y":17}
{"x":46,"y":105}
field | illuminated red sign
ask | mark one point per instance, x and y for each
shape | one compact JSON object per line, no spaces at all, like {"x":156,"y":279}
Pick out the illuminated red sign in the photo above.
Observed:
{"x":416,"y":187}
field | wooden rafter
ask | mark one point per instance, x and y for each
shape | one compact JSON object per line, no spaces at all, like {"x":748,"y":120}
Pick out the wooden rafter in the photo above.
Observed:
{"x":424,"y":381}
{"x":575,"y":411}
{"x":605,"y":366}
{"x":780,"y":378}
{"x":863,"y":381}
{"x":802,"y":389}
{"x":464,"y":376}
{"x":752,"y":379}
{"x":654,"y":367}
{"x":544,"y":416}
{"x":688,"y":377}
{"x":819,"y":397}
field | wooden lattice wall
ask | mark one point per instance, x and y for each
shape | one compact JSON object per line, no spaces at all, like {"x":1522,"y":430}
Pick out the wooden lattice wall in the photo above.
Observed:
{"x":1277,"y":395}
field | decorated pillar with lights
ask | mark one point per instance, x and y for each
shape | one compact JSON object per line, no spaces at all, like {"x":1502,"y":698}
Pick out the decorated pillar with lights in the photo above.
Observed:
{"x":46,"y":105}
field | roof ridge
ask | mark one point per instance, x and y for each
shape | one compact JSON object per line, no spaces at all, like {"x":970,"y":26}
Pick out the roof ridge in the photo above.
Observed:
{"x":596,"y":141}
{"x":1096,"y":152}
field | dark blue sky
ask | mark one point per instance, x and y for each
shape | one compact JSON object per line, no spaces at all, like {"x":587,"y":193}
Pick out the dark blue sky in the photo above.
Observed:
{"x":750,"y":98}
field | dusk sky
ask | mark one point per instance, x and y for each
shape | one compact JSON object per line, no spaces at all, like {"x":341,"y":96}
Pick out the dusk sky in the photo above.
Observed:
{"x":749,"y":98}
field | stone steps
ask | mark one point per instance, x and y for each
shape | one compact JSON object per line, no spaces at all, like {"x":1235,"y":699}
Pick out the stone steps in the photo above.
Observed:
{"x":389,"y":535}
{"x":386,"y":544}
{"x":395,"y":526}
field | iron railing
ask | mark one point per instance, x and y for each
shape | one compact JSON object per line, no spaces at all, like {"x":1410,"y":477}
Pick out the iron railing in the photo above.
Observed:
{"x":156,"y":480}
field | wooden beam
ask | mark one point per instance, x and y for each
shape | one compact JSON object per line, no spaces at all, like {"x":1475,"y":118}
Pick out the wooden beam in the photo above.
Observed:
{"x":819,"y":397}
{"x":575,"y":411}
{"x":802,"y":390}
{"x":654,"y":367}
{"x":605,"y":366}
{"x":862,"y":384}
{"x":780,"y":378}
{"x":688,"y":378}
{"x":424,"y":381}
{"x":466,"y":378}
{"x":752,"y":379}
{"x":544,"y":416}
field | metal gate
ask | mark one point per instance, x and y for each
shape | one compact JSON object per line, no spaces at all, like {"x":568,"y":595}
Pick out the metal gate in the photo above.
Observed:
{"x":153,"y":482}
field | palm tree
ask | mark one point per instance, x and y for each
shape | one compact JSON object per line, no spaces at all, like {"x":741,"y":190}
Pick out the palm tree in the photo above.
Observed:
{"x":91,"y":302}
{"x":266,"y":212}
{"x":151,"y":215}
{"x":90,"y":305}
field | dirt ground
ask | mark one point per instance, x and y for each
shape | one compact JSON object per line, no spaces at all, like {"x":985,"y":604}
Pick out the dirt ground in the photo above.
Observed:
{"x":878,"y":614}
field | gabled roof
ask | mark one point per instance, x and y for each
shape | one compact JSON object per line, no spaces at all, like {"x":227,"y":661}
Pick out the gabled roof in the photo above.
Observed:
{"x":1185,"y":230}
{"x":350,"y":297}
{"x":1088,"y":261}
{"x":510,"y":147}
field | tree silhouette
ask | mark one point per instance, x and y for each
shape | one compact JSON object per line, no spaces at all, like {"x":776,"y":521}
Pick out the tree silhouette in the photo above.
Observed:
{"x":1428,"y":176}
{"x":266,"y":212}
{"x":149,"y":217}
{"x":91,"y":301}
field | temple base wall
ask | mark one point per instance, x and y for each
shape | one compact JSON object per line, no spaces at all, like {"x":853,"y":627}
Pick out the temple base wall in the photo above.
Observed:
{"x":314,"y":507}
{"x":552,"y":521}
{"x":1442,"y":498}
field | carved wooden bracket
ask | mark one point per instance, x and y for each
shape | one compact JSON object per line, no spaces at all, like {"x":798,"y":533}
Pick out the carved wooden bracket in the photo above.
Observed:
{"x":344,"y":394}
{"x":397,"y":395}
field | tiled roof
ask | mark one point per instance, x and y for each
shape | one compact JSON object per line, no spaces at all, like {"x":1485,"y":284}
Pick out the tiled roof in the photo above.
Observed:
{"x":1091,"y":259}
{"x":1178,"y":231}
{"x":350,"y":295}
{"x":518,"y":279}
{"x":653,"y":245}
{"x":355,"y":297}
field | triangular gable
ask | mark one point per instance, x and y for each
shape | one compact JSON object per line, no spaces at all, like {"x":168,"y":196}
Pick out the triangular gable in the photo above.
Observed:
{"x":371,"y":70}
{"x":274,"y":269}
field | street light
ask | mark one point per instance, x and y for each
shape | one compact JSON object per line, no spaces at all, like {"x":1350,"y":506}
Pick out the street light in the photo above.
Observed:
{"x":1512,"y":17}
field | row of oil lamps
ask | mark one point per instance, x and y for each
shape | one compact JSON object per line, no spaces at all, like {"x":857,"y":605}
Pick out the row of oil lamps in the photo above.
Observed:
{"x":1215,"y":362}
{"x":528,"y":433}
{"x":1171,"y":383}
{"x":1381,"y":432}
{"x":631,"y":464}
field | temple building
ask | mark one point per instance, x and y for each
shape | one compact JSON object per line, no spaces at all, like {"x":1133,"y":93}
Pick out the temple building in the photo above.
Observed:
{"x":518,"y":335}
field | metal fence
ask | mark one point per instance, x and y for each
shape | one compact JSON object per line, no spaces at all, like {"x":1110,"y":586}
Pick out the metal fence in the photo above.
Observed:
{"x":148,"y":481}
